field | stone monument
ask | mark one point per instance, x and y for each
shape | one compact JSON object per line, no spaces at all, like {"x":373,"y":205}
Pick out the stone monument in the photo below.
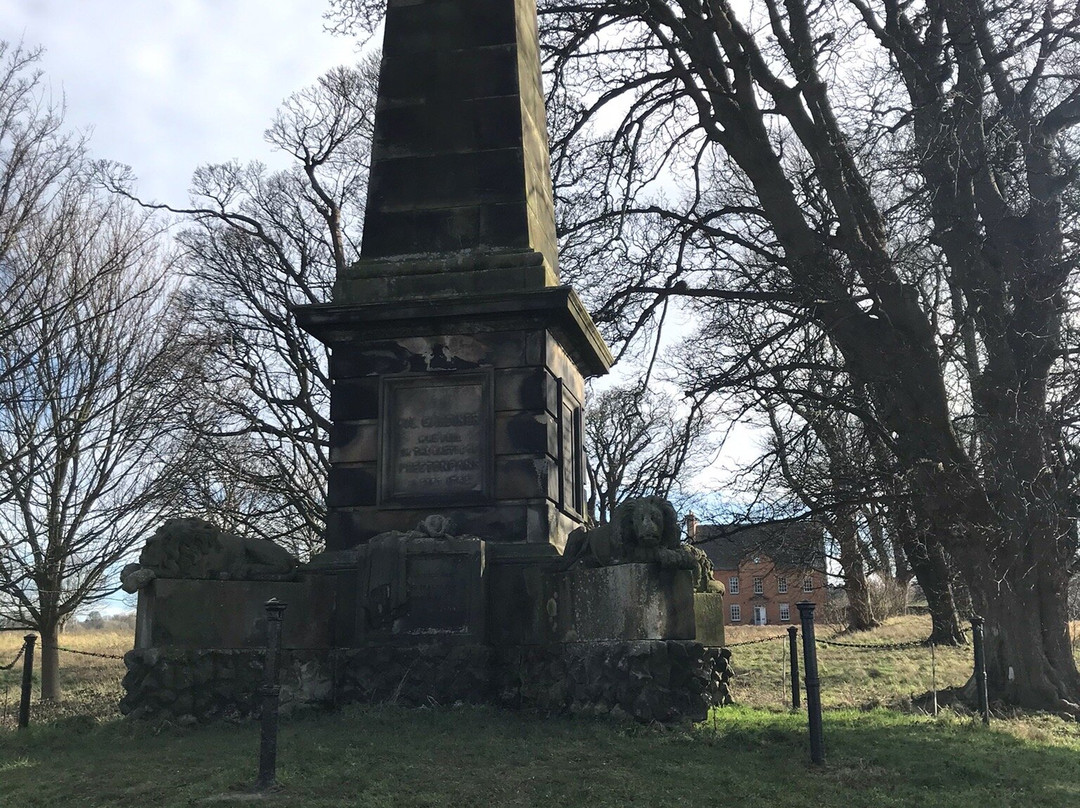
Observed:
{"x":458,"y":366}
{"x":457,"y":359}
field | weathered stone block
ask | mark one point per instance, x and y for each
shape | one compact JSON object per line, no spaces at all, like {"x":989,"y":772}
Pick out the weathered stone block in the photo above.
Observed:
{"x":709,"y":618}
{"x":624,"y":602}
{"x":410,"y":588}
{"x":526,"y":478}
{"x":352,"y":442}
{"x":355,"y":399}
{"x":528,"y":389}
{"x":351,"y":486}
{"x":478,"y":124}
{"x":428,"y":182}
{"x":526,"y":433}
{"x":231,"y":614}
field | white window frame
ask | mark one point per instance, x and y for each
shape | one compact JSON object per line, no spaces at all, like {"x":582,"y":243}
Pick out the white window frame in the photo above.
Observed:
{"x":736,"y":613}
{"x":785,"y":612}
{"x":759,"y":586}
{"x":781,"y":584}
{"x":808,"y":584}
{"x":733,"y":585}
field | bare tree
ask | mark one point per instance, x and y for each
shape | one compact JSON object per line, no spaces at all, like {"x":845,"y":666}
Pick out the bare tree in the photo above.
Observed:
{"x":815,"y":169}
{"x":260,"y":243}
{"x":638,"y":443}
{"x":88,"y":442}
{"x":36,"y":158}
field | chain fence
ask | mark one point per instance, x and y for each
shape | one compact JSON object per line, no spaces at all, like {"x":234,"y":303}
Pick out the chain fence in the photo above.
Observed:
{"x":15,"y":661}
{"x":756,"y":642}
{"x":907,"y":674}
{"x":90,"y":683}
{"x":90,"y":653}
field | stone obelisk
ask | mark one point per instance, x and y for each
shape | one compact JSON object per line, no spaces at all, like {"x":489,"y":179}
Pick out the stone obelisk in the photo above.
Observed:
{"x":457,"y":359}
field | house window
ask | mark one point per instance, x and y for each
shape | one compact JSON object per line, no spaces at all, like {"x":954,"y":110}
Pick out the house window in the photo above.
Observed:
{"x":781,"y":584}
{"x":759,"y":588}
{"x":736,"y":613}
{"x":785,"y":613}
{"x":733,"y":585}
{"x":807,"y":584}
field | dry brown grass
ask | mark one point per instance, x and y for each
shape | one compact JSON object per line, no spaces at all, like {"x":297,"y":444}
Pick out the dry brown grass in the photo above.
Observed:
{"x":852,"y":677}
{"x":90,"y":685}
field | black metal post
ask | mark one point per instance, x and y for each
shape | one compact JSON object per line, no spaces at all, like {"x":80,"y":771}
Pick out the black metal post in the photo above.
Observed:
{"x":27,"y":680}
{"x":813,"y":684}
{"x":271,"y":694}
{"x":980,"y":668}
{"x":793,"y":648}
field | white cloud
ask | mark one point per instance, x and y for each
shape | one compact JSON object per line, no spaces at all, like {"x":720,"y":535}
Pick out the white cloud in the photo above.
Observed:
{"x":168,"y":85}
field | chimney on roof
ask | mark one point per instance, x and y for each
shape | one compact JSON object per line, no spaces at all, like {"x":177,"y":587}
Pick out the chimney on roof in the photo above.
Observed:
{"x":691,"y":526}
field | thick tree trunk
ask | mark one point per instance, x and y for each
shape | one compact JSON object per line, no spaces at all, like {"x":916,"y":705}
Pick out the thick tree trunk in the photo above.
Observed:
{"x":860,"y":612}
{"x":1013,"y":551}
{"x":1029,"y":660}
{"x":930,"y":565}
{"x":50,"y":663}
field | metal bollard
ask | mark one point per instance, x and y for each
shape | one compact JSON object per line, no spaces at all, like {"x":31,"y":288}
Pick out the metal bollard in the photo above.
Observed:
{"x":27,"y":680}
{"x":980,"y":668}
{"x":813,"y":684}
{"x":793,"y":648}
{"x":270,"y":691}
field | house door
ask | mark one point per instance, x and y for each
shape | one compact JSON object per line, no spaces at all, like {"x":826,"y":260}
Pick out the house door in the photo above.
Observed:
{"x":759,"y":616}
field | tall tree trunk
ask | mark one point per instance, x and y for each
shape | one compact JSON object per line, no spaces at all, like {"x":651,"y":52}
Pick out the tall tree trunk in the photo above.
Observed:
{"x":1038,"y":675}
{"x":1013,"y":552}
{"x":844,"y":530}
{"x":50,"y":662}
{"x":930,"y":565}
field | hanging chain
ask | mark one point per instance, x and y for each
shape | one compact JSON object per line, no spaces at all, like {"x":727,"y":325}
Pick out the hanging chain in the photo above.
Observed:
{"x":15,"y":661}
{"x":88,"y":653}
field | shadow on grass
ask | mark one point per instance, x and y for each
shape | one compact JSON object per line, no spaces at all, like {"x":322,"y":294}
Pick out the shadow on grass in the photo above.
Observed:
{"x":380,"y":757}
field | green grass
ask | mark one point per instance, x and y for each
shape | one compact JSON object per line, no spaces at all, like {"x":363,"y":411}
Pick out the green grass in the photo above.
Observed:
{"x":382,"y":756}
{"x":80,"y":754}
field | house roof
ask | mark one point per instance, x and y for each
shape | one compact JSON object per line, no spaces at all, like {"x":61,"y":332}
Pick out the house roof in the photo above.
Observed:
{"x":790,"y":544}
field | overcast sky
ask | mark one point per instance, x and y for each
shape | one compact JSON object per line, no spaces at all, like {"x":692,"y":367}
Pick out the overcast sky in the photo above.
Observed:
{"x":165,"y":85}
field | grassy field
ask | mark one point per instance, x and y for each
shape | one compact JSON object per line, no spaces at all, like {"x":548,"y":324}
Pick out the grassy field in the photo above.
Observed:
{"x":850,"y":677}
{"x":91,"y":685}
{"x":880,"y":750}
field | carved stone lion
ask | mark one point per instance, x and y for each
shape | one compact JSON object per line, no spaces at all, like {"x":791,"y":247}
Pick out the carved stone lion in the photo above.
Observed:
{"x":641,"y":530}
{"x":195,"y":548}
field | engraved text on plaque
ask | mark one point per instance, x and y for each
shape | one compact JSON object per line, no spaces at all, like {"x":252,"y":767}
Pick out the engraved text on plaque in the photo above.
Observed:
{"x":436,"y":438}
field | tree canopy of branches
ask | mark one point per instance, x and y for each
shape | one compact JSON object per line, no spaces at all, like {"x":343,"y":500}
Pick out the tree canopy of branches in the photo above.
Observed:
{"x":896,"y":176}
{"x":638,"y":444}
{"x":90,"y":370}
{"x":259,"y":243}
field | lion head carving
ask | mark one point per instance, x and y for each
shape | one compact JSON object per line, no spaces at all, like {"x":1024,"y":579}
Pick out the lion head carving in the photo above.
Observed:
{"x":641,"y":530}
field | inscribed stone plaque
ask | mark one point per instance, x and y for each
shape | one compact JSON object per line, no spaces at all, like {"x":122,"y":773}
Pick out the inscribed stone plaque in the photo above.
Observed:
{"x":436,"y":439}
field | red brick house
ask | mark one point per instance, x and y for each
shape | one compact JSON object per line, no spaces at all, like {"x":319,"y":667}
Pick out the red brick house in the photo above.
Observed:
{"x":765,"y":569}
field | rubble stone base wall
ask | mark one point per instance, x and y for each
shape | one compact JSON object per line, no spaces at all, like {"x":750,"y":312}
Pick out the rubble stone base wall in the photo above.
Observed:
{"x":649,"y":680}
